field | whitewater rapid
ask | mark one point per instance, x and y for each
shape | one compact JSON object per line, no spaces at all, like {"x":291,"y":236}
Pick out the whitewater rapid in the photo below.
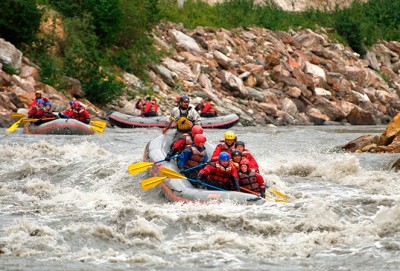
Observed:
{"x":69,"y":203}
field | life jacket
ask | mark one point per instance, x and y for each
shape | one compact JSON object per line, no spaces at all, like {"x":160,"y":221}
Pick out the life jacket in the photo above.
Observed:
{"x":188,"y":140}
{"x":226,"y":148}
{"x":197,"y":157}
{"x":222,"y":174}
{"x":249,"y":181}
{"x":48,"y":113}
{"x":80,"y":114}
{"x":236,"y":165}
{"x":153,"y":108}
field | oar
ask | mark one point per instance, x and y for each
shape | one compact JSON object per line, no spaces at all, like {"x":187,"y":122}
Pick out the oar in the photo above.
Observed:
{"x":173,"y":174}
{"x":188,"y":169}
{"x":257,"y":194}
{"x":142,"y":166}
{"x":152,"y":182}
{"x":96,"y":129}
{"x":99,"y":123}
{"x":24,"y":121}
{"x":14,"y":126}
{"x":18,"y":115}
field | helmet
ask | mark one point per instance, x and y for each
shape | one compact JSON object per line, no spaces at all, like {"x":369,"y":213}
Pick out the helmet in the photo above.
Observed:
{"x":76,"y":104}
{"x":199,"y":138}
{"x":71,"y":102}
{"x":197,"y":129}
{"x":38,"y":92}
{"x":148,"y":98}
{"x":48,"y":104}
{"x":224,"y":156}
{"x":230,"y":135}
{"x":244,"y":161}
{"x":236,"y":152}
{"x":40,"y":101}
{"x":178,"y":98}
{"x":184,"y":99}
{"x":239,"y":143}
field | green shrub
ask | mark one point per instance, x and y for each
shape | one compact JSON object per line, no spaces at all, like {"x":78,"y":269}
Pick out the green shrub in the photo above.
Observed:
{"x":19,"y":21}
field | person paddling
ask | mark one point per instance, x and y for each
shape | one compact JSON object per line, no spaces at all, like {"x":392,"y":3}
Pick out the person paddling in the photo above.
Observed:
{"x":185,"y":141}
{"x":221,"y":174}
{"x":193,"y":156}
{"x":151,"y":108}
{"x":246,"y":154}
{"x":38,"y":96}
{"x":227,"y":145}
{"x":249,"y":179}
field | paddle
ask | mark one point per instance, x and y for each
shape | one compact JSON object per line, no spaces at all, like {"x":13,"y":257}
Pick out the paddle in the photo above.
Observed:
{"x":152,"y":182}
{"x":173,"y":174}
{"x":24,"y":121}
{"x":142,"y":166}
{"x":14,"y":126}
{"x":99,"y":123}
{"x":188,"y":169}
{"x":257,"y":194}
{"x":96,"y":129}
{"x":18,"y":115}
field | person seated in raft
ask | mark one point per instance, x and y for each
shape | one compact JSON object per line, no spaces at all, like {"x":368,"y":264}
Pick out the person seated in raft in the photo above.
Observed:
{"x":185,"y":141}
{"x":184,"y":116}
{"x":239,"y":145}
{"x":78,"y":112}
{"x":48,"y":111}
{"x":151,"y":108}
{"x":141,"y":105}
{"x":206,"y":109}
{"x":37,"y":110}
{"x":236,"y":158}
{"x":193,"y":156}
{"x":38,"y":96}
{"x":250,"y":179}
{"x":221,"y":174}
{"x":226,"y":145}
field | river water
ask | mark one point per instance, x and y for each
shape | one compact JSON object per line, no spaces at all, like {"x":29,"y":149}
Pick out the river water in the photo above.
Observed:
{"x":68,"y":203}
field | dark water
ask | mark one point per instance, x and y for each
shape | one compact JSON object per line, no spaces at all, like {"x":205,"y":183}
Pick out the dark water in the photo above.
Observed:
{"x":68,"y":203}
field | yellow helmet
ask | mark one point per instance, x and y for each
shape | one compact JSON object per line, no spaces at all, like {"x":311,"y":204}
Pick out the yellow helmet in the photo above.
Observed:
{"x":230,"y":135}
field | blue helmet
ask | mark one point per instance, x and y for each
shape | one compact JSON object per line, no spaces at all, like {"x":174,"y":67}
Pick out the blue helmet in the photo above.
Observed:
{"x":224,"y":156}
{"x":71,"y":102}
{"x":40,"y":101}
{"x":48,"y":104}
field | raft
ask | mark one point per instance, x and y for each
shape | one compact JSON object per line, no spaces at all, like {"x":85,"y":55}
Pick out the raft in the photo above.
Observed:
{"x":182,"y":190}
{"x":59,"y":127}
{"x":128,"y":121}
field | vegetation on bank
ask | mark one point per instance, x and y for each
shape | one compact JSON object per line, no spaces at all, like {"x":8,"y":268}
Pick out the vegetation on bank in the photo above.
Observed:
{"x":106,"y":36}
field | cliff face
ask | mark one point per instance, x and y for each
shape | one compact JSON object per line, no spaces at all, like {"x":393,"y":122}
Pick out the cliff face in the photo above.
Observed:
{"x":298,"y":5}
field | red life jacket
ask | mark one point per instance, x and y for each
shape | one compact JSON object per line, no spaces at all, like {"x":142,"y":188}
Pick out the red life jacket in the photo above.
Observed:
{"x":197,"y":157}
{"x":81,"y":114}
{"x":249,"y":181}
{"x":222,"y":174}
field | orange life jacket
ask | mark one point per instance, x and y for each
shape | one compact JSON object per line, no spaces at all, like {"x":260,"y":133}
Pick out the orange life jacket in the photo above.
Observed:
{"x":197,"y":157}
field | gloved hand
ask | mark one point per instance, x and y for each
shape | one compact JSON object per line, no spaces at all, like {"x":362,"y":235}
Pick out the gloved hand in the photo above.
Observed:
{"x":201,"y":177}
{"x":167,"y":158}
{"x":262,"y":192}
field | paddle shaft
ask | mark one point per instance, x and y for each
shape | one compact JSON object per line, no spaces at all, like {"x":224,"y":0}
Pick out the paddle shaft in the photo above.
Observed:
{"x":188,"y":169}
{"x":205,"y":184}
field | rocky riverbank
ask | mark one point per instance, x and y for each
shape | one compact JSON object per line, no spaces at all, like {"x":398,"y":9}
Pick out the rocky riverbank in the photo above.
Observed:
{"x":296,"y":78}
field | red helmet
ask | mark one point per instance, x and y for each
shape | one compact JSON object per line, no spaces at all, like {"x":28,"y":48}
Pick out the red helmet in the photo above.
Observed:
{"x":76,"y":104}
{"x":197,"y":129}
{"x":244,"y":161}
{"x":199,"y":138}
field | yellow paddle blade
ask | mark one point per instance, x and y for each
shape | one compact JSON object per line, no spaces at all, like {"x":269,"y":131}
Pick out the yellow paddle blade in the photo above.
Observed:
{"x":279,"y":194}
{"x":24,"y":121}
{"x":14,"y":126}
{"x":99,"y":123}
{"x":171,"y":173}
{"x":18,"y":115}
{"x":139,"y":167}
{"x":97,"y":129}
{"x":152,"y":182}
